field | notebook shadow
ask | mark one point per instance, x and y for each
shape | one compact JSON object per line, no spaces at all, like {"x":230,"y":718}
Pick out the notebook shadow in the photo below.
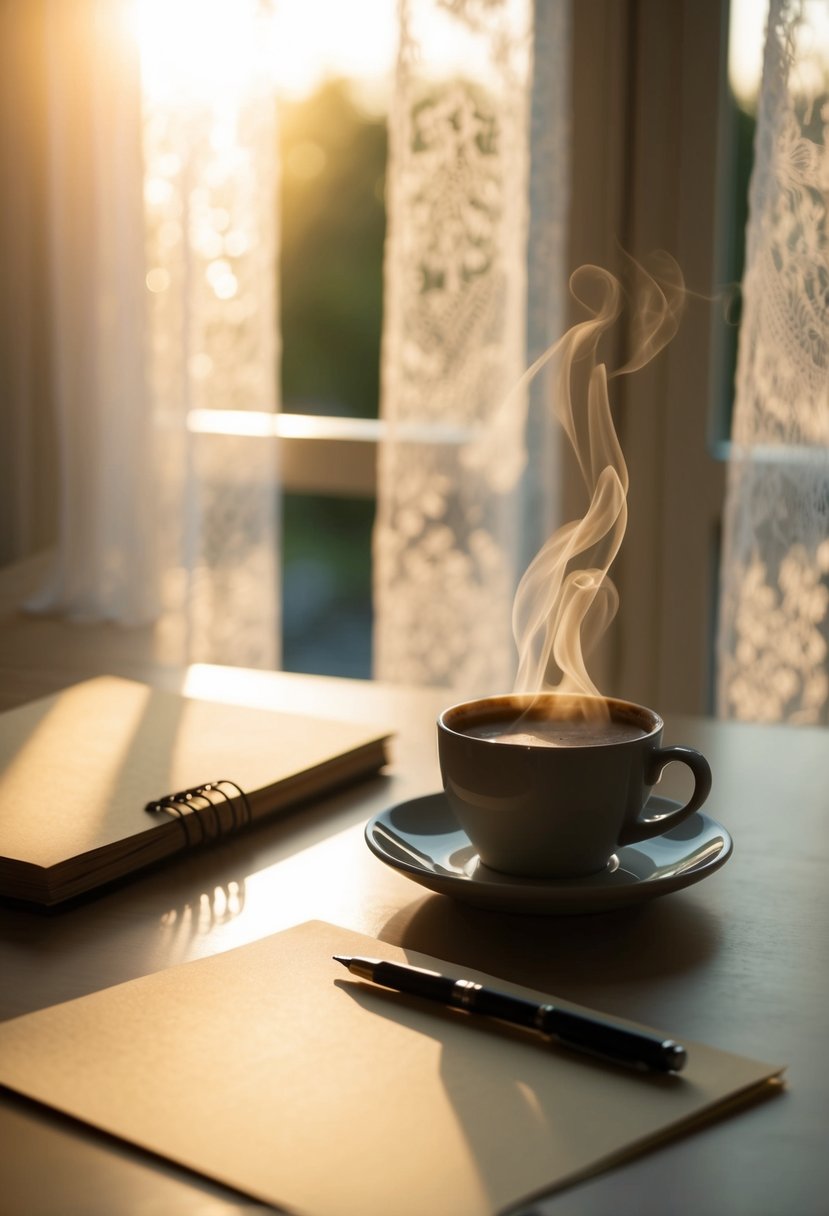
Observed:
{"x":154,"y":917}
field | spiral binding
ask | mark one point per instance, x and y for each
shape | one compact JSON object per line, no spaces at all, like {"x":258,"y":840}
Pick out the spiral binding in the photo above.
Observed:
{"x":197,"y":808}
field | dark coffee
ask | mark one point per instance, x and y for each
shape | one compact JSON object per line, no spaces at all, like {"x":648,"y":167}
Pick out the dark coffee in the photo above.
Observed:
{"x":530,"y":731}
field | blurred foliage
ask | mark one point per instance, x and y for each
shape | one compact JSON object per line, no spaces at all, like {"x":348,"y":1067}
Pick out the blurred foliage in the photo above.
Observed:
{"x":326,"y":593}
{"x":333,"y":158}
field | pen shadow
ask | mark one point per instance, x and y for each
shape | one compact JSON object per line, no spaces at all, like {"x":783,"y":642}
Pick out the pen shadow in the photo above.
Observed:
{"x":579,"y":957}
{"x":551,"y":1114}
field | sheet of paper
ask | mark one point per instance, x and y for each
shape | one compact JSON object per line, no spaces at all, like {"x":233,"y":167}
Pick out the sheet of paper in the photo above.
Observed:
{"x":270,"y":1069}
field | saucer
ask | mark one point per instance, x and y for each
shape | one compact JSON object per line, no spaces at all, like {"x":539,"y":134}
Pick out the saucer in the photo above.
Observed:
{"x":422,"y":839}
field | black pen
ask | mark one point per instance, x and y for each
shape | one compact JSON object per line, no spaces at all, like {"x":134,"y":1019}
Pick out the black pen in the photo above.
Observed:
{"x":581,"y":1031}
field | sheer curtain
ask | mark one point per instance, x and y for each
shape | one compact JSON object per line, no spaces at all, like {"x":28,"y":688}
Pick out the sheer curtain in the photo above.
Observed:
{"x":474,"y":284}
{"x":160,"y":218}
{"x":160,"y":213}
{"x":774,"y":634}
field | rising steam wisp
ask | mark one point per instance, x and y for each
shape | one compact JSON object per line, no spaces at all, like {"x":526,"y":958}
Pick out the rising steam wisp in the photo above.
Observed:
{"x":566,"y":600}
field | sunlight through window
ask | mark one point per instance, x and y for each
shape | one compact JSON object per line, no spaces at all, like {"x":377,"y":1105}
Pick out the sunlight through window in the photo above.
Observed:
{"x":198,"y":48}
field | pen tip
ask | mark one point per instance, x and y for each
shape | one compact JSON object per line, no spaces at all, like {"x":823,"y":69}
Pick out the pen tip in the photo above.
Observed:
{"x":340,"y":958}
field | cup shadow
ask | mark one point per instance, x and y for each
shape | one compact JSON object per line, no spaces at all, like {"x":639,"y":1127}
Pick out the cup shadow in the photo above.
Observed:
{"x":579,"y":958}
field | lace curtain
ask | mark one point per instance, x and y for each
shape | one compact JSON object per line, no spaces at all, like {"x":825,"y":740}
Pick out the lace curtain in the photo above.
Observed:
{"x":161,"y":209}
{"x":473,"y":291}
{"x":773,"y":656}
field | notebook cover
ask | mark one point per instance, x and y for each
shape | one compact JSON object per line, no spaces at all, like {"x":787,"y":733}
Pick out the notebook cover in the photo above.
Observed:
{"x":78,"y":768}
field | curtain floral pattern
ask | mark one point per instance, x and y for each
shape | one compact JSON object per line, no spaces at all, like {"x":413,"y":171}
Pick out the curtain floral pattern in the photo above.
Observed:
{"x":774,"y":634}
{"x":450,"y":538}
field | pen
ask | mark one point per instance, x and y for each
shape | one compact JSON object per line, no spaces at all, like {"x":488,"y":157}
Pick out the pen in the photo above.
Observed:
{"x":580,"y":1031}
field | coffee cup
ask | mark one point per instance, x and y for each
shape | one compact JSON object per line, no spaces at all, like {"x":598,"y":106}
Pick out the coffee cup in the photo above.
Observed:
{"x":551,"y":785}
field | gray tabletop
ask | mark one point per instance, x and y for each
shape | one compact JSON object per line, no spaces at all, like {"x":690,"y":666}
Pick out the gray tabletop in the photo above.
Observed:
{"x":738,"y":961}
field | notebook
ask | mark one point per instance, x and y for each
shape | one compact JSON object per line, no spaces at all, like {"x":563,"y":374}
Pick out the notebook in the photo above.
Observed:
{"x":270,"y":1070}
{"x":78,"y":770}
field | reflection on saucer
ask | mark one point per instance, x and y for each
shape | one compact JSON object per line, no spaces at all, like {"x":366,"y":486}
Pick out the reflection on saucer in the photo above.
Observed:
{"x":422,"y":839}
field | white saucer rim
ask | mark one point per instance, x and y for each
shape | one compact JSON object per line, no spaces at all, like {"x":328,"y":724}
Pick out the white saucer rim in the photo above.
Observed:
{"x":549,"y":891}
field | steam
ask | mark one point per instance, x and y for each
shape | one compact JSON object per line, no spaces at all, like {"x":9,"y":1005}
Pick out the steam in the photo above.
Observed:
{"x":565,"y":600}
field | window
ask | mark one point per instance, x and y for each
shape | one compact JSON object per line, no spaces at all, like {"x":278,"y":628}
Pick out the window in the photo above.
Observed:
{"x":333,"y":86}
{"x":654,"y":160}
{"x":332,"y":156}
{"x":662,"y":156}
{"x":746,"y":30}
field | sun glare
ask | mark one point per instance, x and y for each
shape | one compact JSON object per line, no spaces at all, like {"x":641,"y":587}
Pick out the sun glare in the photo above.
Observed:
{"x":746,"y":41}
{"x":745,"y":49}
{"x":198,"y":48}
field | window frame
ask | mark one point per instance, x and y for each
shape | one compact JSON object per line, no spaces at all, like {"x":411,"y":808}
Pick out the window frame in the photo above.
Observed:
{"x":641,"y":96}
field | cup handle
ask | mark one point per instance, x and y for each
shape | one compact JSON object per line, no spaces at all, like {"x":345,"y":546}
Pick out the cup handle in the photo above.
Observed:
{"x":655,"y":825}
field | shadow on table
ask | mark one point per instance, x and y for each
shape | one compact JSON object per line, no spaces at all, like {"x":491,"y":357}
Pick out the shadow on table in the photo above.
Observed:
{"x":573,"y":956}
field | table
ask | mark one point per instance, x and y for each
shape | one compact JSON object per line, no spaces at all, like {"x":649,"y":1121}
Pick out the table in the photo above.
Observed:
{"x":738,"y":961}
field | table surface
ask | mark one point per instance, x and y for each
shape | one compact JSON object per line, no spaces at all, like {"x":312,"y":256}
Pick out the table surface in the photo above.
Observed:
{"x":738,"y":961}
